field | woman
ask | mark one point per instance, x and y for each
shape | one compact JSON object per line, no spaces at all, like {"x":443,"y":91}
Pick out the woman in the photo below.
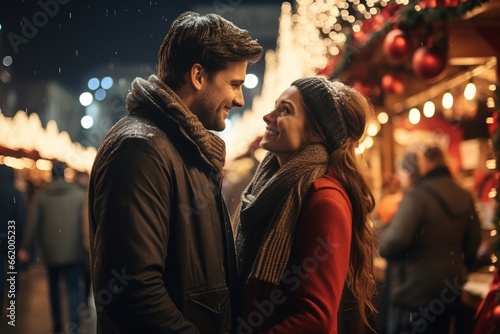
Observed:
{"x":302,"y":226}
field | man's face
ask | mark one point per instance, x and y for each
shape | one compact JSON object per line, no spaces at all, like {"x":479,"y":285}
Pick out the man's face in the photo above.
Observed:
{"x":219,"y":94}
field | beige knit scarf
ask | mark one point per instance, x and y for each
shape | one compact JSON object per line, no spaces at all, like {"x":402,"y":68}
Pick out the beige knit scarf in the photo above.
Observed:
{"x":153,"y":96}
{"x":271,"y":204}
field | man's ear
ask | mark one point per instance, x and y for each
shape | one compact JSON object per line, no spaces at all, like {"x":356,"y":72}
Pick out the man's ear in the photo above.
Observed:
{"x":197,"y":76}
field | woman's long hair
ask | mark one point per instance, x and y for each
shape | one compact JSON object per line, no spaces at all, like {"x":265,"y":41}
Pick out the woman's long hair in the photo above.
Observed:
{"x":346,"y":167}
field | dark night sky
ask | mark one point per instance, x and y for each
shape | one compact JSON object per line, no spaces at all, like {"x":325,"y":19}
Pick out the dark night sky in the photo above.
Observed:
{"x":67,"y":37}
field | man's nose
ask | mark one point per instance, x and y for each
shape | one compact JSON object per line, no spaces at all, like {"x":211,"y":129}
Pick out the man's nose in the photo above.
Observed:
{"x":239,"y":101}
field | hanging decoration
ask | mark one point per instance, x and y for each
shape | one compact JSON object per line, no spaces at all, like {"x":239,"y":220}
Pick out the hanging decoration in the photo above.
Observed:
{"x":407,"y":17}
{"x":397,"y":45}
{"x":428,"y":62}
{"x":393,"y":83}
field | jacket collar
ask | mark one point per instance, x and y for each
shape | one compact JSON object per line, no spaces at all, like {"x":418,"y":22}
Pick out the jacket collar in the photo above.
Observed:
{"x":437,"y":172}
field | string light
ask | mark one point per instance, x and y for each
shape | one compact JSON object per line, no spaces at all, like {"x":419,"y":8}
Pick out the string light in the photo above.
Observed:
{"x":447,"y":101}
{"x":368,"y":142}
{"x":27,"y":133}
{"x":429,"y":109}
{"x":490,"y":102}
{"x":470,"y":91}
{"x":383,"y":117}
{"x":372,"y":129}
{"x":414,"y":116}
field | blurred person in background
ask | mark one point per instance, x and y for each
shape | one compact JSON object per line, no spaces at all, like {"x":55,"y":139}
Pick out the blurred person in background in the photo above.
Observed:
{"x":157,"y":216}
{"x":12,"y":222}
{"x":82,"y":179}
{"x":429,"y":243}
{"x":303,"y":230}
{"x":55,"y":220}
{"x":406,"y":176}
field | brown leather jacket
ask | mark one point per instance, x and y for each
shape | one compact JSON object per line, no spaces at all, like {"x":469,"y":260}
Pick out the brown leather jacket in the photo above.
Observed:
{"x":162,"y":253}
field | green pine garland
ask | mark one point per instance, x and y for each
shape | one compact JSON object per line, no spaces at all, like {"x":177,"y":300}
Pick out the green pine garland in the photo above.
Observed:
{"x":410,"y":18}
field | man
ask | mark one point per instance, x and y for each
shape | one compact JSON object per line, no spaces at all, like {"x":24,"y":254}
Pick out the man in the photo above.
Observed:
{"x":56,"y":219}
{"x":432,"y":237}
{"x":162,"y":256}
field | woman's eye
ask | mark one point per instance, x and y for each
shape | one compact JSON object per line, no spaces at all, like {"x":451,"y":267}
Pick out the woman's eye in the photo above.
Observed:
{"x":284,"y":110}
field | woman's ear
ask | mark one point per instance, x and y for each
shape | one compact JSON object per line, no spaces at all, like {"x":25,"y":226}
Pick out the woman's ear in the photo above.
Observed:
{"x":311,"y":136}
{"x":315,"y":139}
{"x":197,"y":76}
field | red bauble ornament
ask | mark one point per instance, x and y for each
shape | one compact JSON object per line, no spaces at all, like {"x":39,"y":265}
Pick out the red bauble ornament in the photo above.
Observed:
{"x":392,"y":83}
{"x":397,"y":45}
{"x":428,"y":63}
{"x":496,"y":312}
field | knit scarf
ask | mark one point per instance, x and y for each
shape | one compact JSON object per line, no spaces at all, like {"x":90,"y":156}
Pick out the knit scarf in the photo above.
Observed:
{"x":271,"y":204}
{"x":155,"y":98}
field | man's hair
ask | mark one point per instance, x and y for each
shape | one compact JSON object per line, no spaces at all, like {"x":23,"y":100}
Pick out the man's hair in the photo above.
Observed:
{"x":435,"y":156}
{"x":208,"y":40}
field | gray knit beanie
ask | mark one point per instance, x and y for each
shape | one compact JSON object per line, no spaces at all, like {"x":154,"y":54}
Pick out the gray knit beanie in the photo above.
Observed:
{"x":323,"y":99}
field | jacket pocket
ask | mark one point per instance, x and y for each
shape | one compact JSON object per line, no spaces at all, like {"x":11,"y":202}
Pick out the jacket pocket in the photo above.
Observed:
{"x":213,"y":300}
{"x":210,"y":311}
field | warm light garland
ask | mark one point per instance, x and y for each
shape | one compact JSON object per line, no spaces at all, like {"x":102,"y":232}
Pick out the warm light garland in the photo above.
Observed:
{"x":23,"y":132}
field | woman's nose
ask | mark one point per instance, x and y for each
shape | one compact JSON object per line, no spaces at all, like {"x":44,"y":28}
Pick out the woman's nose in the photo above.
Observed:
{"x":268,"y":117}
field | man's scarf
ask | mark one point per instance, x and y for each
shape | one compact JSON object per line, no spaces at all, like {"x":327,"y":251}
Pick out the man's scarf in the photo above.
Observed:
{"x":271,"y":204}
{"x":154,"y":96}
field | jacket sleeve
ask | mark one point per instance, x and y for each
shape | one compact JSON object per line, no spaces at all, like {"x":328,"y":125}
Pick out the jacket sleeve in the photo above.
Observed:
{"x":129,"y":244}
{"x":324,"y":239}
{"x":398,"y":235}
{"x":472,"y":239}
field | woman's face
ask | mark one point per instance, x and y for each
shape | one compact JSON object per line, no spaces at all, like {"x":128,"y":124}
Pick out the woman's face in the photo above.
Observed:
{"x":285,"y":126}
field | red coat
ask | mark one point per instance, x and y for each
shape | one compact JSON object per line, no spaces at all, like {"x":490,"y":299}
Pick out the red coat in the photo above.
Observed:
{"x":308,"y":297}
{"x":486,"y":321}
